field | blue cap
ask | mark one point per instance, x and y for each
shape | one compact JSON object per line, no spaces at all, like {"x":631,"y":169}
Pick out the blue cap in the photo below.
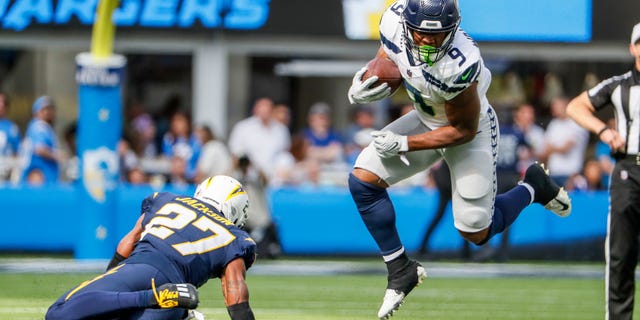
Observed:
{"x":40,"y":103}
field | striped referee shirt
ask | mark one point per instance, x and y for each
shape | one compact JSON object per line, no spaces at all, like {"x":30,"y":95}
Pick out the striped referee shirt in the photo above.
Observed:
{"x":623,"y":92}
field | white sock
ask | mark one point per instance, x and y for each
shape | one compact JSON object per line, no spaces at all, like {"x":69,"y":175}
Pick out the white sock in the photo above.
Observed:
{"x":531,"y":190}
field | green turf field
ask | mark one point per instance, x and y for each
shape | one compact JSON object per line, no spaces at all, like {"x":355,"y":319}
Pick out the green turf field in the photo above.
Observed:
{"x":27,"y":295}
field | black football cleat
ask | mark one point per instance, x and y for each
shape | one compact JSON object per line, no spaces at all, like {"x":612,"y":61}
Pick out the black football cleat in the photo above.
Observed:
{"x":547,"y":192}
{"x":399,"y":284}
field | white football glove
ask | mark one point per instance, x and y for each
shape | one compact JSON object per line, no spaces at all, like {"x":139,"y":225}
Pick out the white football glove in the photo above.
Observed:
{"x":360,"y":93}
{"x":389,"y":144}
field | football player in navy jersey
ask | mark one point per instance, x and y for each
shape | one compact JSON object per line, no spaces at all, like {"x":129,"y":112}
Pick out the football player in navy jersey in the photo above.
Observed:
{"x":445,"y":76}
{"x":178,"y":243}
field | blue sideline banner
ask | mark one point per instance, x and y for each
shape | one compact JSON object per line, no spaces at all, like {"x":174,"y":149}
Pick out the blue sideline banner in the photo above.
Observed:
{"x":316,"y":221}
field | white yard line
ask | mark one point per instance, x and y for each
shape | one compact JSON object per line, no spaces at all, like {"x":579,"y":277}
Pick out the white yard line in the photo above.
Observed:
{"x":329,"y":267}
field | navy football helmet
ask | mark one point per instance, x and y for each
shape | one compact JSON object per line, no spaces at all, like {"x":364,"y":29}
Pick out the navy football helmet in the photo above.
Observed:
{"x":430,"y":16}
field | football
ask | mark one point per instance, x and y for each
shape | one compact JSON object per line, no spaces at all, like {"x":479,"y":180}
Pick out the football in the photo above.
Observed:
{"x":386,"y":70}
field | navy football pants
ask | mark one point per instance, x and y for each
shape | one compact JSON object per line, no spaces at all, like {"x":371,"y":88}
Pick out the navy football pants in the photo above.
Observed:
{"x":120,"y":293}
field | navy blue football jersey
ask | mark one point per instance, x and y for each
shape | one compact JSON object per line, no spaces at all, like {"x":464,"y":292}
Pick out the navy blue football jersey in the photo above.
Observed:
{"x":191,"y":236}
{"x":511,"y":140}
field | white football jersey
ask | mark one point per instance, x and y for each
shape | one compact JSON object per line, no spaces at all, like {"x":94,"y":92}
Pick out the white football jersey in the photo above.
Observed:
{"x":430,"y":86}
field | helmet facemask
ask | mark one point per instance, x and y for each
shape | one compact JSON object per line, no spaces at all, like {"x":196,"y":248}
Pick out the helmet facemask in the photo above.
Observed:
{"x":426,"y":53}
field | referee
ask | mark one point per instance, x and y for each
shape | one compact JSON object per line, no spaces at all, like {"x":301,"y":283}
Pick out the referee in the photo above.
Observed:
{"x":621,"y":247}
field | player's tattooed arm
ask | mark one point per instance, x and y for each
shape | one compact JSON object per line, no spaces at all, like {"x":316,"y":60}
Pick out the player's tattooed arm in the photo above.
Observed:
{"x":234,"y":286}
{"x":235,"y":290}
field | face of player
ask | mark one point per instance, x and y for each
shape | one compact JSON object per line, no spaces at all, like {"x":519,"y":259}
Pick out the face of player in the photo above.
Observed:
{"x":434,"y":40}
{"x":429,"y":47}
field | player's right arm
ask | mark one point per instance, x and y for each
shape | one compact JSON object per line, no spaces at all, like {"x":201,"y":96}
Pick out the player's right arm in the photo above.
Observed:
{"x":127,"y":243}
{"x":463,"y":113}
{"x":235,"y":290}
{"x":361,"y":91}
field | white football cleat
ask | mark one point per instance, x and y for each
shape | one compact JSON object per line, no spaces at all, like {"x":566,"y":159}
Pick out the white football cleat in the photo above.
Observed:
{"x":194,"y":315}
{"x":393,"y":298}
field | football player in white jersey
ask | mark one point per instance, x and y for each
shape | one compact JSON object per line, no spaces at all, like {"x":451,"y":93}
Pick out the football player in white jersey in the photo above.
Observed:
{"x":445,"y":76}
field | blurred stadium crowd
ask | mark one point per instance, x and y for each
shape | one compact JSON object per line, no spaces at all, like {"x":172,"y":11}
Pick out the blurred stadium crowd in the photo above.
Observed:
{"x":169,"y":148}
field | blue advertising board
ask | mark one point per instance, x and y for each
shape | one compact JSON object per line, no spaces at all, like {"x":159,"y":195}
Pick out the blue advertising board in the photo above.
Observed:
{"x":491,"y":20}
{"x":541,"y":20}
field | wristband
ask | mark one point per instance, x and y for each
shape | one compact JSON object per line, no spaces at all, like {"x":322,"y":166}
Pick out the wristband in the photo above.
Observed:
{"x":603,"y":130}
{"x":241,"y":311}
{"x":117,"y":258}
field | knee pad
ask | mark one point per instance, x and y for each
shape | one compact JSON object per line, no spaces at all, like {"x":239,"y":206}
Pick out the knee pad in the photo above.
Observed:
{"x":473,"y":212}
{"x":473,"y":186}
{"x":472,"y":219}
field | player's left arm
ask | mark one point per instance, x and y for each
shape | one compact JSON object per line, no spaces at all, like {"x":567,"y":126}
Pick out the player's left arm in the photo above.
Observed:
{"x":127,"y":243}
{"x":235,"y":290}
{"x":463,"y":113}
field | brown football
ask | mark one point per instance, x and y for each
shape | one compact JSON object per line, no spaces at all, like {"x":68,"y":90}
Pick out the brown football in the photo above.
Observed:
{"x":386,"y":70}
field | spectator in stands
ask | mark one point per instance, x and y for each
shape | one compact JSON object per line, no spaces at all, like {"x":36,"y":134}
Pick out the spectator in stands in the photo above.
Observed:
{"x":9,"y":139}
{"x":128,"y":159}
{"x":162,"y":119}
{"x":525,"y":120}
{"x":325,"y":143}
{"x":39,"y":153}
{"x":294,"y":168}
{"x":215,"y":158}
{"x":259,"y":137}
{"x":255,"y":143}
{"x":325,"y":146}
{"x":70,"y":167}
{"x":136,"y":176}
{"x":144,"y":133}
{"x":260,"y":223}
{"x":361,"y":140}
{"x":593,"y":175}
{"x":9,"y":131}
{"x":565,"y":143}
{"x":180,"y":142}
{"x":589,"y":179}
{"x":177,"y":172}
{"x":282,"y":113}
{"x":362,"y":120}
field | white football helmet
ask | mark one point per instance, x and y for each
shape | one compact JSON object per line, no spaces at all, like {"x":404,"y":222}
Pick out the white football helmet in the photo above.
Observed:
{"x":227,"y":195}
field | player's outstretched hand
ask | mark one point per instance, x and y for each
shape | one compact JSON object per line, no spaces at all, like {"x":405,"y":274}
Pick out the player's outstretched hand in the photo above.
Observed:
{"x":360,"y":91}
{"x":389,"y":144}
